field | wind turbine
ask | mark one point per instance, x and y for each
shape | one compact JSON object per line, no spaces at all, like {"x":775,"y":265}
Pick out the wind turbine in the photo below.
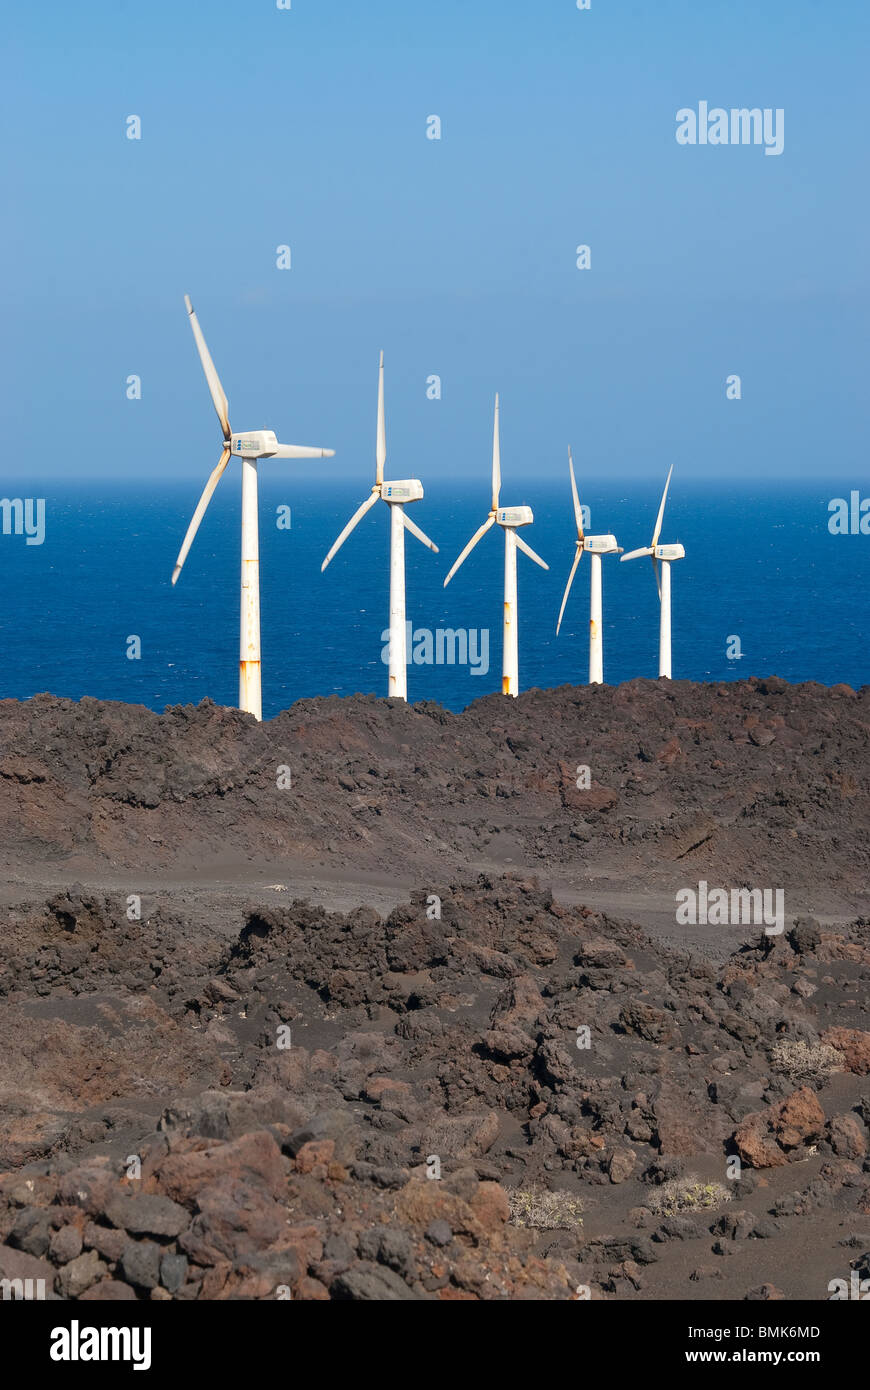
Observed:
{"x":256,"y":444}
{"x":509,"y":518}
{"x":667,"y":554}
{"x":596,"y":546}
{"x":396,"y":495}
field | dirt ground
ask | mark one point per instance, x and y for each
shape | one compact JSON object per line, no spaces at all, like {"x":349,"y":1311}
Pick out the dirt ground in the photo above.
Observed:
{"x":376,"y":1001}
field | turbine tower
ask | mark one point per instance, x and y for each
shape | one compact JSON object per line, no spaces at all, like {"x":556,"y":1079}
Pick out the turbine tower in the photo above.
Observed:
{"x":256,"y":444}
{"x":596,"y":546}
{"x":396,"y":495}
{"x":667,"y":554}
{"x":509,"y":518}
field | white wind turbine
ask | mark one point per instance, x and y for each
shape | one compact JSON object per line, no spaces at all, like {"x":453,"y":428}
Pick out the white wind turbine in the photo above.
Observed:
{"x":250,"y":447}
{"x":396,"y":495}
{"x":667,"y":554}
{"x":596,"y":546}
{"x":509,"y":518}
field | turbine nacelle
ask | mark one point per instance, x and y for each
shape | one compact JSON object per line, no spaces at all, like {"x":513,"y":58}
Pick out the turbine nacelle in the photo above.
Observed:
{"x":404,"y":490}
{"x":600,"y":545}
{"x":262,"y":444}
{"x":514,"y":516}
{"x":254,"y":444}
{"x":669,"y":552}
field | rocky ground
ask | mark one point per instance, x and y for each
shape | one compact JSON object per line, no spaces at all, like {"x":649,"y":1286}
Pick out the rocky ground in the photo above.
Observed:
{"x":498,"y":1083}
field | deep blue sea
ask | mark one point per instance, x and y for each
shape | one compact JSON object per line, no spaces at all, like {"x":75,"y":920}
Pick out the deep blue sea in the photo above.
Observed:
{"x":761,"y":565}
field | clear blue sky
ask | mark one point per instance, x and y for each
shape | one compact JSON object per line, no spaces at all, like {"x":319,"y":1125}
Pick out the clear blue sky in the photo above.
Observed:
{"x":307,"y":126}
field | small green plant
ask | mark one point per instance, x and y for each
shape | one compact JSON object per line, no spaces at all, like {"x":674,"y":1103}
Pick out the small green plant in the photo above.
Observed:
{"x":540,"y":1210}
{"x":686,"y":1194}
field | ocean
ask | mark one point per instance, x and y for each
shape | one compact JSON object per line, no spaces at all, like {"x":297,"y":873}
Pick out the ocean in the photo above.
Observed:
{"x":761,"y":567}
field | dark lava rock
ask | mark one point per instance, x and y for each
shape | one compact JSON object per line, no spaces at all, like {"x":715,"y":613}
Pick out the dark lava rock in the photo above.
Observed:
{"x":805,"y":935}
{"x":439,"y":1233}
{"x":145,"y":1214}
{"x":370,"y":1282}
{"x":140,"y":1263}
{"x":173,"y":1271}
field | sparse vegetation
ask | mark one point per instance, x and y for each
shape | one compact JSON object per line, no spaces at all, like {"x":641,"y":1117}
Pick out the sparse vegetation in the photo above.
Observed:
{"x":687,"y":1194}
{"x":801,"y":1061}
{"x":540,"y":1210}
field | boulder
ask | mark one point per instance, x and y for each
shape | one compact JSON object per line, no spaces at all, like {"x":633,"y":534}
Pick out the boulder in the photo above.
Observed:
{"x":854,"y":1045}
{"x":773,"y":1137}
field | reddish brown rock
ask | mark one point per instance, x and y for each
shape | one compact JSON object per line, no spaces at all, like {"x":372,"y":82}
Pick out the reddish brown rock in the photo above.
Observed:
{"x":422,"y":1202}
{"x":490,"y":1205}
{"x":756,"y":1145}
{"x":311,"y":1289}
{"x":377,"y":1087}
{"x":769,"y":1138}
{"x":854,"y":1045}
{"x":305,"y":1239}
{"x":317,"y":1154}
{"x":196,"y":1163}
{"x":518,"y":1004}
{"x":109,"y":1291}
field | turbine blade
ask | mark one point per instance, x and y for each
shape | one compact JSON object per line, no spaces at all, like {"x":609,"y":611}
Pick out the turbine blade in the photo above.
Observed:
{"x":655,"y":539}
{"x":578,"y":515}
{"x":382,"y":429}
{"x":527,"y":550}
{"x":633,"y":554}
{"x":415,"y":531}
{"x":217,"y":474}
{"x":496,"y":458}
{"x":481,"y":531}
{"x":357,"y":516}
{"x":301,"y":451}
{"x":214,"y":382}
{"x":655,"y":564}
{"x":577,"y":559}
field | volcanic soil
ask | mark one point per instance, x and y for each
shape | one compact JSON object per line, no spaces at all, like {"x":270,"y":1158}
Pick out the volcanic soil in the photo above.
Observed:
{"x":376,"y":1001}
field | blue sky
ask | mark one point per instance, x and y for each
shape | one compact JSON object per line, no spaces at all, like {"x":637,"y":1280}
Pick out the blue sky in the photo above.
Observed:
{"x":307,"y":127}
